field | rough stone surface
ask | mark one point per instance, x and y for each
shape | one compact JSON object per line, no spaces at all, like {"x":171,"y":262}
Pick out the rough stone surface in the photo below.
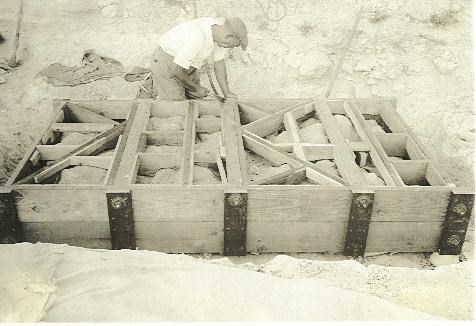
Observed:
{"x":374,"y":127}
{"x":164,"y":149}
{"x":328,"y":166}
{"x":314,"y":65}
{"x":110,"y":11}
{"x":172,"y":123}
{"x":77,"y":138}
{"x":284,"y":137}
{"x":3,"y":72}
{"x":204,"y":176}
{"x":166,"y":176}
{"x":346,"y":128}
{"x":2,"y":80}
{"x":82,"y":175}
{"x":314,"y":134}
{"x":104,"y":3}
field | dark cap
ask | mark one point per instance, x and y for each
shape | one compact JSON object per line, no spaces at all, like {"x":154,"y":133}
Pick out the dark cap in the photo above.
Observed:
{"x":239,"y":27}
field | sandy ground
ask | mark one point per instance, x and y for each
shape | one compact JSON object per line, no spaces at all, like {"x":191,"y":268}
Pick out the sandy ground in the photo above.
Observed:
{"x":418,"y":51}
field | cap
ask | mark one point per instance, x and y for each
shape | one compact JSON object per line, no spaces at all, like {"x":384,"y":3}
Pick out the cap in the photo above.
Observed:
{"x":239,"y":27}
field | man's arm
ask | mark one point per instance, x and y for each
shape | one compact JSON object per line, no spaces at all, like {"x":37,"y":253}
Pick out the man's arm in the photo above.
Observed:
{"x":182,"y":75}
{"x":220,"y":73}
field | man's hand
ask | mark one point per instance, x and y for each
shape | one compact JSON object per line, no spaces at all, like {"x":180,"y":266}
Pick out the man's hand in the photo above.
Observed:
{"x":231,"y":95}
{"x":201,"y":92}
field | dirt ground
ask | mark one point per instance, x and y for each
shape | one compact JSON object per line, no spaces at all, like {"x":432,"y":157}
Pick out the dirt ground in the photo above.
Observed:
{"x":418,"y":51}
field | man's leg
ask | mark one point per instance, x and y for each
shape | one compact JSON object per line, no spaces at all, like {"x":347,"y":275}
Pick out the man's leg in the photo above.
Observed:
{"x":166,"y":85}
{"x":195,"y":76}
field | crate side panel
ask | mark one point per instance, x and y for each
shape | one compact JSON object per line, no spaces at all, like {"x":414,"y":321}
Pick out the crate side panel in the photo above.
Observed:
{"x":186,"y":204}
{"x":183,"y":236}
{"x":403,"y":236}
{"x":61,"y":205}
{"x":293,"y":236}
{"x":80,"y":234}
{"x":410,"y":204}
{"x":301,"y":204}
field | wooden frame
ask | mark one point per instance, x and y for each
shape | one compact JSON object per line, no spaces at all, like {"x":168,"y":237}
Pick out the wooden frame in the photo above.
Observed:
{"x":297,"y":207}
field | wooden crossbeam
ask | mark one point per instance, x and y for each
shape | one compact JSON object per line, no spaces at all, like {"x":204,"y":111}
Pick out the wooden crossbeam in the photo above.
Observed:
{"x":377,"y":145}
{"x":251,"y":113}
{"x":81,"y":127}
{"x":122,"y":172}
{"x":343,"y":155}
{"x":264,"y":148}
{"x":90,"y":147}
{"x":377,"y":161}
{"x":79,"y":114}
{"x":102,"y":162}
{"x":231,"y":142}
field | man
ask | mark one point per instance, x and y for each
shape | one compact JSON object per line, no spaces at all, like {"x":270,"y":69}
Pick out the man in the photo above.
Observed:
{"x":183,"y":50}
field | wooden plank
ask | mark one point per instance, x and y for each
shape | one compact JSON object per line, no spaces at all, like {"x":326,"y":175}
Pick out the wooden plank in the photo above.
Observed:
{"x":11,"y":230}
{"x":208,"y":124}
{"x":76,"y":113}
{"x":290,"y":236}
{"x":221,"y":169}
{"x":124,"y":164}
{"x":415,"y":204}
{"x":102,"y":162}
{"x":240,"y":145}
{"x":343,"y":156}
{"x":180,"y":237}
{"x":54,"y":152}
{"x":113,"y":161}
{"x":81,"y":127}
{"x":176,"y":203}
{"x":94,"y":235}
{"x":387,"y":113}
{"x":377,"y":145}
{"x":403,"y":236}
{"x":358,"y":225}
{"x":206,"y":156}
{"x":298,"y":203}
{"x":61,"y":204}
{"x":267,"y":125}
{"x":273,"y":105}
{"x":121,"y":220}
{"x":456,"y":222}
{"x":90,"y":147}
{"x":165,"y":137}
{"x":272,"y":155}
{"x":251,"y":113}
{"x":24,"y":167}
{"x":376,"y":160}
{"x":412,"y":172}
{"x":112,"y":109}
{"x":279,"y":175}
{"x":319,"y":152}
{"x":209,"y":107}
{"x":360,"y":146}
{"x":233,"y":169}
{"x":186,"y":166}
{"x":433,"y":177}
{"x":235,"y":212}
{"x":35,"y":158}
{"x":325,"y":178}
{"x":414,"y":152}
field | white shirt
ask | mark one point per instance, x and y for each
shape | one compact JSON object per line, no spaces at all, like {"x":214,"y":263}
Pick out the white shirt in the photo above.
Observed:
{"x":191,"y":42}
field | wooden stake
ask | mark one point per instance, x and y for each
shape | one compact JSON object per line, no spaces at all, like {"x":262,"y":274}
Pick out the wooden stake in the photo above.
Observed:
{"x":11,"y":230}
{"x":236,"y":206}
{"x":121,"y":221}
{"x":359,"y":221}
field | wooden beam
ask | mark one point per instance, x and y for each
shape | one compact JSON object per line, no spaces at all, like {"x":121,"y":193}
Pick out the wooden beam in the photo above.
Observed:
{"x":121,"y":220}
{"x":361,"y":131}
{"x":186,"y":166}
{"x":102,"y":162}
{"x":359,"y":221}
{"x":54,"y":152}
{"x":233,"y":168}
{"x":240,"y":146}
{"x":412,"y":172}
{"x":122,"y":170}
{"x":377,"y":145}
{"x":90,"y":147}
{"x":11,"y":230}
{"x":81,"y":127}
{"x":79,"y":114}
{"x":25,"y":167}
{"x":343,"y":155}
{"x":236,"y":207}
{"x":266,"y":148}
{"x":221,"y":169}
{"x":113,"y":109}
{"x":251,"y":113}
{"x":164,"y":137}
{"x":456,"y":223}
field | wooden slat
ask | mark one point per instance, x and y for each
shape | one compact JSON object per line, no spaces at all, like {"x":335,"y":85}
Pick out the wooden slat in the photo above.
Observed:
{"x":76,"y":113}
{"x":393,"y":144}
{"x":165,"y":109}
{"x":186,"y":166}
{"x":233,"y":168}
{"x":343,"y":156}
{"x":164,"y":137}
{"x":88,"y":148}
{"x":414,"y":152}
{"x":319,"y":152}
{"x":377,"y":145}
{"x":62,"y":204}
{"x":376,"y":160}
{"x":433,"y":177}
{"x":358,"y":225}
{"x":24,"y":167}
{"x":81,"y":127}
{"x":240,"y":144}
{"x":387,"y":113}
{"x":81,"y":234}
{"x":124,"y":165}
{"x":221,"y":169}
{"x":273,"y":105}
{"x":412,"y":172}
{"x":250,"y":113}
{"x":235,"y":215}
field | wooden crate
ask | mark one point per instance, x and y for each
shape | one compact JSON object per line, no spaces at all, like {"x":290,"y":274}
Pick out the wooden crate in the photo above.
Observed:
{"x":298,"y":207}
